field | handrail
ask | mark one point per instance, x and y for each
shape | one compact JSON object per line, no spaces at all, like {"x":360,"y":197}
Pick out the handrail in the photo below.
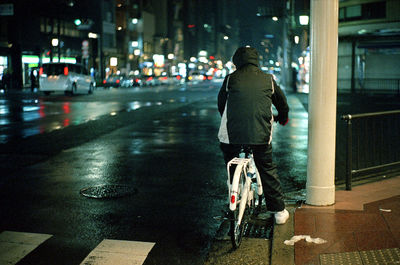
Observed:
{"x":370,"y":85}
{"x":371,"y":114}
{"x":349,"y":156}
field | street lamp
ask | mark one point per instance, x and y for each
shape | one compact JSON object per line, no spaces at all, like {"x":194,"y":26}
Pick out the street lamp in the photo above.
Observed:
{"x":135,"y":44}
{"x":304,"y":19}
{"x":92,"y":35}
{"x":54,"y":42}
{"x":113,"y":61}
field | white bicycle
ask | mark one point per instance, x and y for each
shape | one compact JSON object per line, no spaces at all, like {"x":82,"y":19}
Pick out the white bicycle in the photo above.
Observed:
{"x":246,"y":184}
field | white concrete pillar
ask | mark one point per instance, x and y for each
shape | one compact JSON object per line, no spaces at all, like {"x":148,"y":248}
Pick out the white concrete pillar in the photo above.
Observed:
{"x":322,"y":103}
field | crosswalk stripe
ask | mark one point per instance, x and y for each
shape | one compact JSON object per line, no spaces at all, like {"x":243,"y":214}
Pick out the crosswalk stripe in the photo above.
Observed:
{"x":16,"y":245}
{"x":110,"y":252}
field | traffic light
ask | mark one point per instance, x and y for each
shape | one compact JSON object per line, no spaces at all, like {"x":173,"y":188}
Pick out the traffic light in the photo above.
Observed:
{"x":83,"y":23}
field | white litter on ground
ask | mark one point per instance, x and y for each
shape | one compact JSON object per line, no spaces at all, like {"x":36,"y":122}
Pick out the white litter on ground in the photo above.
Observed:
{"x":386,"y":210}
{"x":308,"y":238}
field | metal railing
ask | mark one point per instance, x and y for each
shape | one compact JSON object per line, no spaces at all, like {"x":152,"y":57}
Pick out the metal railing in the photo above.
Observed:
{"x":370,"y":85}
{"x":373,"y":143}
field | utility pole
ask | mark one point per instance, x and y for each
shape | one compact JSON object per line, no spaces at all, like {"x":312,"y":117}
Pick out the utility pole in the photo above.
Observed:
{"x":287,"y":47}
{"x":322,"y":103}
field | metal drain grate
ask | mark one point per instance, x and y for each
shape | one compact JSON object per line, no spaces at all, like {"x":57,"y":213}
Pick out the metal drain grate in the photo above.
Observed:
{"x":108,"y":191}
{"x":345,"y":258}
{"x":381,"y":256}
{"x":370,"y":257}
{"x":259,"y":228}
{"x":256,"y":227}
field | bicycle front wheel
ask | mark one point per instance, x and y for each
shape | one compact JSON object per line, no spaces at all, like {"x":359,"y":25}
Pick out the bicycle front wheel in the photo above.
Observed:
{"x":238,"y":226}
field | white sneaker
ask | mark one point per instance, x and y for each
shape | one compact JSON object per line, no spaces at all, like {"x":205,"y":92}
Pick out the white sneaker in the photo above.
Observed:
{"x":281,"y":217}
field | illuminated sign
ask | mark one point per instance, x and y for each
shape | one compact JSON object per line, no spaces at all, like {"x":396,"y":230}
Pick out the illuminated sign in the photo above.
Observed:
{"x":158,"y":60}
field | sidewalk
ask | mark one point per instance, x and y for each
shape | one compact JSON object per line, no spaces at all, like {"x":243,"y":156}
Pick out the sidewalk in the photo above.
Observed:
{"x":362,"y":227}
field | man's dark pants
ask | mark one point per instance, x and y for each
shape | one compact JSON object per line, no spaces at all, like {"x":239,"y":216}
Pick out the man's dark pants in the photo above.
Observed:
{"x":267,"y":169}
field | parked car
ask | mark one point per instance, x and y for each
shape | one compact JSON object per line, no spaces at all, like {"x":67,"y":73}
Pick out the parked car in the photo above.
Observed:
{"x":177,"y":79}
{"x":131,"y":81}
{"x":67,"y":77}
{"x":113,"y":81}
{"x":198,"y":77}
{"x":150,"y":80}
{"x":163,"y":79}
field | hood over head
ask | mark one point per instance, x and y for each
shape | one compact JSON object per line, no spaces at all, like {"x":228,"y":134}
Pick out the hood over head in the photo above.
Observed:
{"x":245,"y":55}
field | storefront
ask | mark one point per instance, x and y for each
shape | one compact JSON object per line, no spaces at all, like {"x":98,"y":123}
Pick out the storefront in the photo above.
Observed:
{"x":3,"y":65}
{"x":31,"y":63}
{"x":303,"y":76}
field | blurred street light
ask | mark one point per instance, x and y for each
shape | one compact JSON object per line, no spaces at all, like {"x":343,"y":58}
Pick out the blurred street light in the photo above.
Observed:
{"x":304,"y":20}
{"x":92,"y":35}
{"x":113,"y":61}
{"x":77,"y":22}
{"x":202,"y":53}
{"x":54,"y":42}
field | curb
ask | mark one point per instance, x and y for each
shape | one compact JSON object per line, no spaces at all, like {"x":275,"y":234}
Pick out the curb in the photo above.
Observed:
{"x":281,"y":253}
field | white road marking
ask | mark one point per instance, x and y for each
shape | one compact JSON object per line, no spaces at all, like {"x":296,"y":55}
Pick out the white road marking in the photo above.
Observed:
{"x":110,"y":252}
{"x":16,"y":245}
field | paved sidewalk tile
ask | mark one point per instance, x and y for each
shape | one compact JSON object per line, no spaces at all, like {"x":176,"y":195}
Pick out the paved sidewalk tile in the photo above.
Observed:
{"x":347,"y":231}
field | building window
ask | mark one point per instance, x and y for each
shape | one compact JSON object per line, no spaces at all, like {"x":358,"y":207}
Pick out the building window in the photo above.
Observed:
{"x":374,"y":10}
{"x":353,"y":12}
{"x":45,"y":25}
{"x":367,"y":11}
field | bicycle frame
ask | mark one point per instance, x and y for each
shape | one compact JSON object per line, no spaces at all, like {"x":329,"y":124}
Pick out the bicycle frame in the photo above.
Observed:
{"x":245,"y":165}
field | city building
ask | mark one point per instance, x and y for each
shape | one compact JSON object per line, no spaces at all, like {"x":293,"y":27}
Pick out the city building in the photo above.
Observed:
{"x":369,"y":46}
{"x":368,"y":50}
{"x":36,"y":32}
{"x":211,"y":35}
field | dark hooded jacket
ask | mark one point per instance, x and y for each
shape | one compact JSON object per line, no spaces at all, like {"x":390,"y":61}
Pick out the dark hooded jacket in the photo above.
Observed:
{"x":245,"y":102}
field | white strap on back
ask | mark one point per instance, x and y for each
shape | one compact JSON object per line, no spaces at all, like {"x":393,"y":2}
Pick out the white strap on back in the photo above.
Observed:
{"x":227,"y":82}
{"x":272,"y":85}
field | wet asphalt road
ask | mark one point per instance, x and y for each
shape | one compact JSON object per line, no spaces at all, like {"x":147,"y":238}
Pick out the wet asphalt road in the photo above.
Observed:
{"x":161,"y":146}
{"x":157,"y":144}
{"x":25,"y":114}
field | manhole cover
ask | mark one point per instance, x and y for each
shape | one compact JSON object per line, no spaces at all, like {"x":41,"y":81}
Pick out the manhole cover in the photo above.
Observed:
{"x":108,"y":191}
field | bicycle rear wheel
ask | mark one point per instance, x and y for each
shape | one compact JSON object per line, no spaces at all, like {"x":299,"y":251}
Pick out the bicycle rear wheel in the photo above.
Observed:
{"x":236,"y":229}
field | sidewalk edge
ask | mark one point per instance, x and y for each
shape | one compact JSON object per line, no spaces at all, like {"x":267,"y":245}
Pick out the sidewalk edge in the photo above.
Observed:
{"x":281,"y":253}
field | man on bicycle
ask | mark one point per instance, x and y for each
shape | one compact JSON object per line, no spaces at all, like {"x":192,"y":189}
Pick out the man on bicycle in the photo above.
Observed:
{"x":245,"y":104}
